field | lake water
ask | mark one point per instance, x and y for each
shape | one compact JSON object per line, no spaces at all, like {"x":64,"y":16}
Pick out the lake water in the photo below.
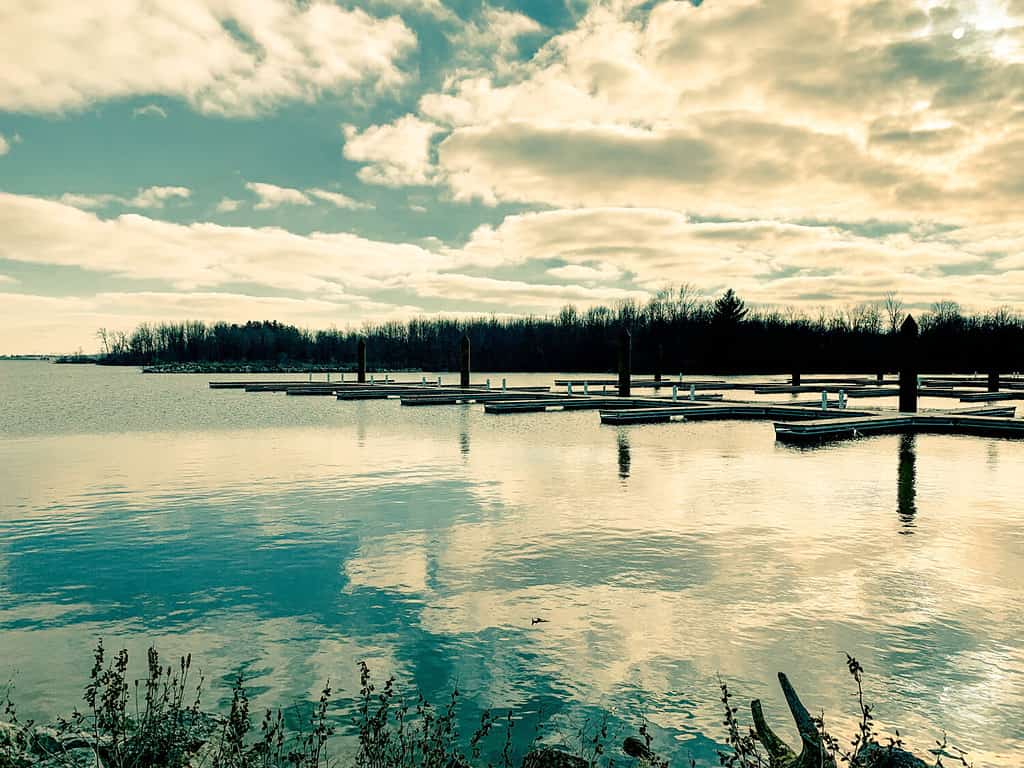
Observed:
{"x":290,"y":537}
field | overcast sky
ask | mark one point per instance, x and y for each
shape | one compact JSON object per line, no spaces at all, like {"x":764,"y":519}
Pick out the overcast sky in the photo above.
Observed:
{"x":327,"y":163}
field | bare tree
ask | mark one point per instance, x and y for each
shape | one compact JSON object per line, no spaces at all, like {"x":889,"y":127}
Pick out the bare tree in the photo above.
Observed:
{"x":104,"y":338}
{"x":893,"y":306}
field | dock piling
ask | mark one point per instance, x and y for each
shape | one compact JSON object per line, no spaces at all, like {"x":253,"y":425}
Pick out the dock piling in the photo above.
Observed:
{"x":909,"y":379}
{"x":464,"y":353}
{"x":993,"y":381}
{"x":361,"y":361}
{"x":693,"y":392}
{"x":675,"y":392}
{"x":568,"y":389}
{"x":586,"y":387}
{"x":824,"y":400}
{"x":659,"y":362}
{"x":503,"y":385}
{"x":625,"y":361}
{"x":795,"y":379}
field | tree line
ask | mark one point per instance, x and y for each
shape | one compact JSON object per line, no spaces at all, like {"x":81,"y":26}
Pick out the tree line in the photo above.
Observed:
{"x":675,"y":331}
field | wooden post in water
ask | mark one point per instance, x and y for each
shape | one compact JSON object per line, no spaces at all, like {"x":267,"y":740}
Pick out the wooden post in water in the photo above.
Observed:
{"x":908,"y":365}
{"x":879,"y":378}
{"x":361,"y":361}
{"x":625,"y":361}
{"x":464,"y":361}
{"x":993,"y":381}
{"x":659,"y":362}
{"x":796,"y":378}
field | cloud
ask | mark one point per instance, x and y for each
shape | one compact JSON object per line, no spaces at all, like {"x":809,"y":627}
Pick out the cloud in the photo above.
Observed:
{"x":845,"y":109}
{"x":147,"y":197}
{"x":150,"y":110}
{"x":5,"y":146}
{"x":766,"y":261}
{"x":434,"y":8}
{"x":602,"y":273}
{"x":519,"y":293}
{"x":155,"y":197}
{"x":228,"y":205}
{"x":492,"y":41}
{"x":225,"y":57}
{"x":339,"y":200}
{"x":398,"y":153}
{"x":205,"y":255}
{"x":272,"y":196}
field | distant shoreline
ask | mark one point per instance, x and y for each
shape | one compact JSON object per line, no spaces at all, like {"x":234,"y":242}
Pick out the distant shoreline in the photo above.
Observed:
{"x":253,"y":367}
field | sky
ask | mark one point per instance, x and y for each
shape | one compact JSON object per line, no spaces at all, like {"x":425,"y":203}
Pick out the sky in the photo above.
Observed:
{"x":335,"y":162}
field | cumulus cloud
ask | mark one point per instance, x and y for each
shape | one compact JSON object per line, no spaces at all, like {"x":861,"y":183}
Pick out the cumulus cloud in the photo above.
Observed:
{"x":5,"y":146}
{"x":226,"y":57}
{"x":272,"y":196}
{"x":519,"y":293}
{"x":339,"y":200}
{"x":862,"y":110}
{"x":398,"y":153}
{"x":155,"y":197}
{"x":492,"y":41}
{"x":601,"y":273}
{"x":767,"y":261}
{"x":147,"y":197}
{"x":228,"y":205}
{"x":204,"y":255}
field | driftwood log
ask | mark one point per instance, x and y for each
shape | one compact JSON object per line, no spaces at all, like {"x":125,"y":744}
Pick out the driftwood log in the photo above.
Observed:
{"x":813,"y":753}
{"x":813,"y":750}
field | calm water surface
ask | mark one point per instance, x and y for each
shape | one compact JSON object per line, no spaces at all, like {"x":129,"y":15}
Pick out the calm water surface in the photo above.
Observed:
{"x":290,"y":537}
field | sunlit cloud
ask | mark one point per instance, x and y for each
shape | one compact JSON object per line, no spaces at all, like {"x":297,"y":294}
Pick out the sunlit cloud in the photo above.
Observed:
{"x":271,"y":195}
{"x":237,"y":58}
{"x":148,"y":197}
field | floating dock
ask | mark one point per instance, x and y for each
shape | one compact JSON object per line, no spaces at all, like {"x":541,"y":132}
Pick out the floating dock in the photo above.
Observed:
{"x":794,"y":422}
{"x":726,"y":411}
{"x":987,"y":422}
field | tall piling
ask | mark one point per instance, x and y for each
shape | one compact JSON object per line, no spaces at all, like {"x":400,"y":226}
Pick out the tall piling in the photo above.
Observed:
{"x":464,"y":361}
{"x":795,"y":378}
{"x":908,"y":365}
{"x":625,"y":361}
{"x":659,"y":362}
{"x":361,"y":361}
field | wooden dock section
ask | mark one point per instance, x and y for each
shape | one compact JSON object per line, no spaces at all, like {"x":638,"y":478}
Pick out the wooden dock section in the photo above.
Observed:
{"x":988,"y":397}
{"x":588,"y":403}
{"x":645,"y":383}
{"x":997,"y":421}
{"x":725,"y":411}
{"x":366,"y":392}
